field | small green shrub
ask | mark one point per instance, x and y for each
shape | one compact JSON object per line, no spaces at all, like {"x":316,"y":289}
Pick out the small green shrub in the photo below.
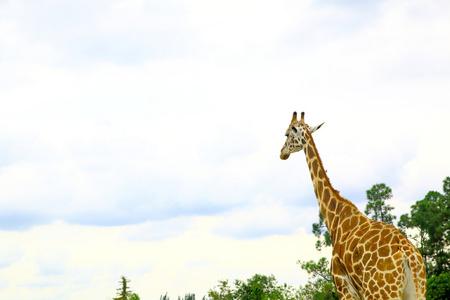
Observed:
{"x":438,"y":287}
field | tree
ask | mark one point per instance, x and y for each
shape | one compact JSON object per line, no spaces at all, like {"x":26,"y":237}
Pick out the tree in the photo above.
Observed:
{"x":376,"y":207}
{"x":225,"y":292}
{"x":430,"y":218}
{"x":259,"y":287}
{"x":438,"y":287}
{"x":318,"y":290}
{"x":320,"y":286}
{"x":319,"y":270}
{"x":124,"y":293}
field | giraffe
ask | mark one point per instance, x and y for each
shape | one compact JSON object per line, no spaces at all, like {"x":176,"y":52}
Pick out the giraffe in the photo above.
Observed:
{"x":370,"y":259}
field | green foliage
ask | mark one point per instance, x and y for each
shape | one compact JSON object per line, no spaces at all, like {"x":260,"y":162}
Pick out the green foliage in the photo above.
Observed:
{"x":165,"y":297}
{"x":259,"y":287}
{"x":320,"y":286}
{"x":318,"y":290}
{"x":376,"y":207}
{"x":135,"y":297}
{"x":188,"y":297}
{"x":430,"y":218}
{"x":320,"y":230}
{"x":319,"y":270}
{"x":403,"y":224}
{"x":438,"y":287}
{"x":224,"y":293}
{"x":124,"y":293}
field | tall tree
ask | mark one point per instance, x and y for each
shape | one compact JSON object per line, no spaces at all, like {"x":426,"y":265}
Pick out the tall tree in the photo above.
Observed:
{"x":377,"y":209}
{"x":124,"y":292}
{"x":430,"y":218}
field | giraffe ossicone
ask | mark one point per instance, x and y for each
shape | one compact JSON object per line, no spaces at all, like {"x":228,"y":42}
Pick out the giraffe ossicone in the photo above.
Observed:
{"x":371,"y":259}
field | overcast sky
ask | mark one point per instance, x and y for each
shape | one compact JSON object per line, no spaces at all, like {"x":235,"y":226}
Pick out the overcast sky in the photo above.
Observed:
{"x":142,"y":138}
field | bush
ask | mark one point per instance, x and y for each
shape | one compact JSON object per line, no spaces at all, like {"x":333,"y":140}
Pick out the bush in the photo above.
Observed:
{"x":438,"y":287}
{"x":259,"y":287}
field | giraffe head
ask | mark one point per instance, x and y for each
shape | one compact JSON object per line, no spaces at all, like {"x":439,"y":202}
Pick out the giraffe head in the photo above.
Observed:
{"x":295,"y":135}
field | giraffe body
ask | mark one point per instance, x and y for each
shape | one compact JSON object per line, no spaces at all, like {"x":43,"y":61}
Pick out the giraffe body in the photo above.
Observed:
{"x":371,"y":259}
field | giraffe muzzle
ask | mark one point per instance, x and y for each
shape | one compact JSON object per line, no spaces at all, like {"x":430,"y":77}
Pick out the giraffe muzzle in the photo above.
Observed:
{"x":284,"y":156}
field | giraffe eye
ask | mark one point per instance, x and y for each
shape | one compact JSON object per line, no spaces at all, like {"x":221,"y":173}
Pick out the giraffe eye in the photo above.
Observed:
{"x":295,"y":129}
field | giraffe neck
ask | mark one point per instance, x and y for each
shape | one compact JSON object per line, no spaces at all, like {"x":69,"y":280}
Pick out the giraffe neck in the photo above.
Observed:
{"x":334,"y":209}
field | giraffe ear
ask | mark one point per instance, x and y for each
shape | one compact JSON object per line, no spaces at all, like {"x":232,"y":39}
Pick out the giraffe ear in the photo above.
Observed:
{"x":312,"y":129}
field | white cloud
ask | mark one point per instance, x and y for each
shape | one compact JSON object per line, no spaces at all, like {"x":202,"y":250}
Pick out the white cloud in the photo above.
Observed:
{"x":95,"y":134}
{"x":264,"y":216}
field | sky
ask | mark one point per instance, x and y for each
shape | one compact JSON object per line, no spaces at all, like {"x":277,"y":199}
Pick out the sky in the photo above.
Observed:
{"x":142,"y":138}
